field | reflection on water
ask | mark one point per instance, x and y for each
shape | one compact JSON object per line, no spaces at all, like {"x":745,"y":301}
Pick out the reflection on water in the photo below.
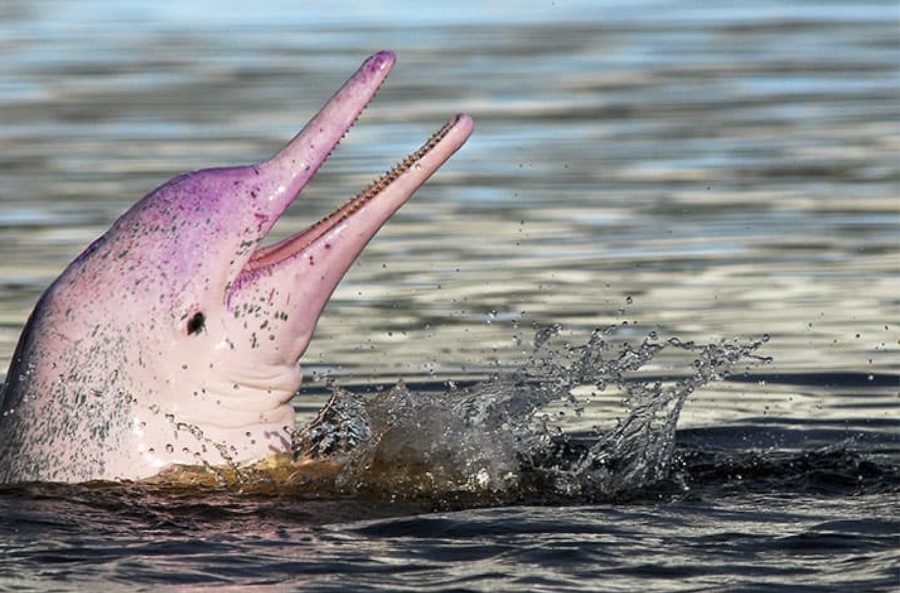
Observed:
{"x":706,"y":172}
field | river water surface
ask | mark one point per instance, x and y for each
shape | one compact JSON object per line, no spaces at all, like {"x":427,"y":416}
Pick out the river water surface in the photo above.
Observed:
{"x":713,"y":187}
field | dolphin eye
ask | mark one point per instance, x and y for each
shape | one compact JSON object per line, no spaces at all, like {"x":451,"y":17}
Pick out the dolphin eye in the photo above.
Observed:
{"x":196,"y":323}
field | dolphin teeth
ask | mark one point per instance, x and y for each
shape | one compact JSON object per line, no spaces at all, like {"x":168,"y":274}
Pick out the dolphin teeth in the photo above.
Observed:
{"x":271,"y":255}
{"x":381,"y":182}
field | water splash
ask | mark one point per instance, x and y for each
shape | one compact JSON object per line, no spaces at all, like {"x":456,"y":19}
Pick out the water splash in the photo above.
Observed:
{"x":491,"y":440}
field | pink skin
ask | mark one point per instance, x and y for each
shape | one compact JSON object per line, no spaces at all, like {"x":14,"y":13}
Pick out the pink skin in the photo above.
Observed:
{"x":174,"y":338}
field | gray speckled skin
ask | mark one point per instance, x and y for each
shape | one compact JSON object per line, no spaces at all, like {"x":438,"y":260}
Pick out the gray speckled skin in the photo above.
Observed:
{"x":174,"y":339}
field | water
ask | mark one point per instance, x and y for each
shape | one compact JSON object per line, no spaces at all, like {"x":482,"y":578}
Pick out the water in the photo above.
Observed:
{"x":709,"y":174}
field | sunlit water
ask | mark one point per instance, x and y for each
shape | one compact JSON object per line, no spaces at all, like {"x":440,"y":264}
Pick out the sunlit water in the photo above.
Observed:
{"x":668,"y":211}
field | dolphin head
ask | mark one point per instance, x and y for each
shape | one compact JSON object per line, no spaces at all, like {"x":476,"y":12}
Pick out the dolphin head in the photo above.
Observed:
{"x":174,"y":338}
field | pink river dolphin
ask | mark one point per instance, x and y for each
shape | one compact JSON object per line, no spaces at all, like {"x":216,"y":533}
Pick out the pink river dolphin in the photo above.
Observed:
{"x":174,"y":338}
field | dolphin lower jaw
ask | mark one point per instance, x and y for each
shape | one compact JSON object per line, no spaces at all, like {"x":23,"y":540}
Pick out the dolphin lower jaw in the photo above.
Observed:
{"x":291,"y":281}
{"x":269,"y":256}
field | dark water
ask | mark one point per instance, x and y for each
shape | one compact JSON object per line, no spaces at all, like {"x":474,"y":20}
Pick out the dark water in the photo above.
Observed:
{"x":721,"y":175}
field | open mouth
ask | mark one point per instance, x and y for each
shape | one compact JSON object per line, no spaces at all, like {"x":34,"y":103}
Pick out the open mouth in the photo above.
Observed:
{"x":290,"y":247}
{"x":335,"y":240}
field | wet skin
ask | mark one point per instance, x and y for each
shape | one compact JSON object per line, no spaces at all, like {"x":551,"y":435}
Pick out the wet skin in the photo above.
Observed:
{"x":174,"y":338}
